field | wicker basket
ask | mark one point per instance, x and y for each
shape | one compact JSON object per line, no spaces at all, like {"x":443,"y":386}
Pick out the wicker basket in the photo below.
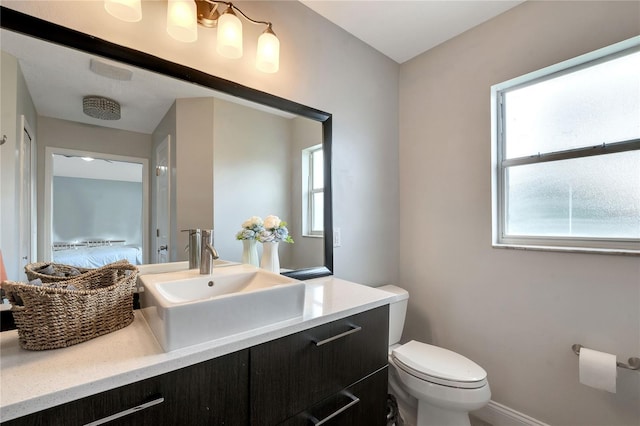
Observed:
{"x":66,"y":270}
{"x":64,"y":313}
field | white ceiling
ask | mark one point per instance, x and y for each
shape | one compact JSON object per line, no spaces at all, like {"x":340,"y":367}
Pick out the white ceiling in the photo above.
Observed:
{"x":58,"y":78}
{"x":404,"y":29}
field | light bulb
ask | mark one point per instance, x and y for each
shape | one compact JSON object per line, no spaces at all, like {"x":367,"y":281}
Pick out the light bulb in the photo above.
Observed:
{"x":268,"y":54}
{"x":229,"y":35}
{"x":126,"y":10}
{"x":182,"y":20}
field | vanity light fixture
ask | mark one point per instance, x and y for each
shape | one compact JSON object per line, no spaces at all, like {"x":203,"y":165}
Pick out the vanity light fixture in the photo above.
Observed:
{"x":184,"y":15}
{"x":126,"y":10}
{"x":181,"y":21}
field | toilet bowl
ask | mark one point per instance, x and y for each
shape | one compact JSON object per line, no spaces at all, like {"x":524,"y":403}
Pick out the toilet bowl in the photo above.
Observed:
{"x":433,"y":385}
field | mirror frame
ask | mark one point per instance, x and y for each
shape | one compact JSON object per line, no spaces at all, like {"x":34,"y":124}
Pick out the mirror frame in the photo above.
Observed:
{"x":35,"y":27}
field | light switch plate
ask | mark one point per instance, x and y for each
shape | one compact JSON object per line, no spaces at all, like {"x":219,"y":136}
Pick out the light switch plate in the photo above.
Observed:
{"x":337,"y":238}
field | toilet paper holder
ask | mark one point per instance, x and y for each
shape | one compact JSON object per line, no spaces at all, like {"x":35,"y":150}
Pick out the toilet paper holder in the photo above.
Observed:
{"x":634,"y":362}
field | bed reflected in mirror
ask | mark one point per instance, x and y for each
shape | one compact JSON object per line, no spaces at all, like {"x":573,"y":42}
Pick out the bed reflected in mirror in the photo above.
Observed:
{"x":96,"y":209}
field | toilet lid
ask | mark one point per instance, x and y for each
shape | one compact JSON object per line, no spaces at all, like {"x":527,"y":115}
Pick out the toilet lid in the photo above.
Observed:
{"x":439,"y":365}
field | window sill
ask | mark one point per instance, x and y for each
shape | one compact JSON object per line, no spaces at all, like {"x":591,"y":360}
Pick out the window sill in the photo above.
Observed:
{"x":586,"y":250}
{"x":312,"y":236}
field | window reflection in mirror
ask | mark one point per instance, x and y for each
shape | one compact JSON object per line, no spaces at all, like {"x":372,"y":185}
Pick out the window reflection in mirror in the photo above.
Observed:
{"x":313,"y":191}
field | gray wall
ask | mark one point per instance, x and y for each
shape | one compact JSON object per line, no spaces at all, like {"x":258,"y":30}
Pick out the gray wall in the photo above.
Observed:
{"x":516,"y":313}
{"x":15,"y":102}
{"x":96,"y":208}
{"x":252,"y":173}
{"x":193,"y":169}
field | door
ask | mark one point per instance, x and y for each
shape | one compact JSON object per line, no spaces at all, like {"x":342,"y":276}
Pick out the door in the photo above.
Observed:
{"x":163,"y":200}
{"x":27,"y":203}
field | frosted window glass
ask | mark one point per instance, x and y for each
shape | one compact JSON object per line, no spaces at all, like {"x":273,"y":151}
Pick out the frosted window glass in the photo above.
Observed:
{"x":586,"y":197}
{"x":318,"y":209}
{"x":591,"y":106}
{"x":318,"y":170}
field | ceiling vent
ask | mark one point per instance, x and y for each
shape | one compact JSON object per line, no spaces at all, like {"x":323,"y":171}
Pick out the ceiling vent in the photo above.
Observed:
{"x":101,"y":108}
{"x":110,"y":71}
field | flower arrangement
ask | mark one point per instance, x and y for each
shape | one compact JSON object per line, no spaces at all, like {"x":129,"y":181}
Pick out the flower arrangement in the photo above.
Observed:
{"x":274,"y":231}
{"x":251,"y":228}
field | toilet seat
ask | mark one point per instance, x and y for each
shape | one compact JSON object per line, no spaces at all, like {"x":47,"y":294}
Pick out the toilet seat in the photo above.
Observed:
{"x":438,"y":365}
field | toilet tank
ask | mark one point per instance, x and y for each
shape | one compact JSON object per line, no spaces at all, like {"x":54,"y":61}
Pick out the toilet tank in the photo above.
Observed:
{"x":397,"y":311}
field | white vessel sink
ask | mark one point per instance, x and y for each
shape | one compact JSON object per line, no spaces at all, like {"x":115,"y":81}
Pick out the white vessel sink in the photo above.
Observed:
{"x":161,"y":268}
{"x":184,"y":308}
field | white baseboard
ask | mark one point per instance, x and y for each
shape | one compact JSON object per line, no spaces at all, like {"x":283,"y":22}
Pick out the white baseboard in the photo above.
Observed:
{"x":500,"y":415}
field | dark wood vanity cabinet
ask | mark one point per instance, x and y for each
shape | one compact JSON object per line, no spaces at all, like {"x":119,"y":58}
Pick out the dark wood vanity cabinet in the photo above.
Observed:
{"x":363,"y":403}
{"x":313,"y":369}
{"x":214,"y":392}
{"x":335,"y":372}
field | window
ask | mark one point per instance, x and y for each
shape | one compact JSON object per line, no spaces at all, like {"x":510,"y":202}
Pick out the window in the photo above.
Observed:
{"x":567,"y":154}
{"x":313,"y":191}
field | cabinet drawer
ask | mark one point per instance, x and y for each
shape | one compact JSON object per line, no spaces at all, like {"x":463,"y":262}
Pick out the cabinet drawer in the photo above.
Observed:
{"x":212,"y":392}
{"x":364,"y":403}
{"x":295,"y":372}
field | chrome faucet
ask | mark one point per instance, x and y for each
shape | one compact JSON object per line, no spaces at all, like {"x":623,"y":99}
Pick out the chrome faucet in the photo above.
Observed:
{"x":207,"y":252}
{"x":193,"y":248}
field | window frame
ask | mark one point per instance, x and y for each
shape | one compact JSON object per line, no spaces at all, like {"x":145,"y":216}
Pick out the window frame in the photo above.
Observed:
{"x":309,"y":207}
{"x":500,"y":165}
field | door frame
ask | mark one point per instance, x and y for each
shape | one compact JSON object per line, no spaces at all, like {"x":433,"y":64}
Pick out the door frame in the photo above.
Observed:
{"x":154,"y":239}
{"x":32,"y":211}
{"x":48,"y":194}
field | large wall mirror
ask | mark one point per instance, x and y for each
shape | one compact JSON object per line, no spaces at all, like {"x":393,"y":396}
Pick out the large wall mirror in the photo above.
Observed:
{"x":197,"y":152}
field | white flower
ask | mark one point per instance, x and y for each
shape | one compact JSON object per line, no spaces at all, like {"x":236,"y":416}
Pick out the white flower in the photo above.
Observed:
{"x":274,"y":231}
{"x":272,"y":222}
{"x":250,"y":228}
{"x":252,"y":222}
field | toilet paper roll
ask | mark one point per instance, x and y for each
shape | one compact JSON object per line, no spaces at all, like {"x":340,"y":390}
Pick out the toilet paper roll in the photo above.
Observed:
{"x":598,"y":370}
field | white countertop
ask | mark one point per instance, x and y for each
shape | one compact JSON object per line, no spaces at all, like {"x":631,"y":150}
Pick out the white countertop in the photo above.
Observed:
{"x":31,"y":381}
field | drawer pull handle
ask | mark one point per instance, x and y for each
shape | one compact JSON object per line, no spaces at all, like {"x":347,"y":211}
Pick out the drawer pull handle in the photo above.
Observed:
{"x":135,"y":409}
{"x":354,"y":401}
{"x":354,"y":329}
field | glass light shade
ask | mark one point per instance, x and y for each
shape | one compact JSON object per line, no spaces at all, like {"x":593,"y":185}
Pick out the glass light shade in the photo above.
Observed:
{"x":182,"y":20}
{"x":229,"y":35}
{"x":268,"y":55}
{"x":125,"y":10}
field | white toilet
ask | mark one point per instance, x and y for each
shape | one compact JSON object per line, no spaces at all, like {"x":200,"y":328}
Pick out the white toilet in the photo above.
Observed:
{"x":432,"y":385}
